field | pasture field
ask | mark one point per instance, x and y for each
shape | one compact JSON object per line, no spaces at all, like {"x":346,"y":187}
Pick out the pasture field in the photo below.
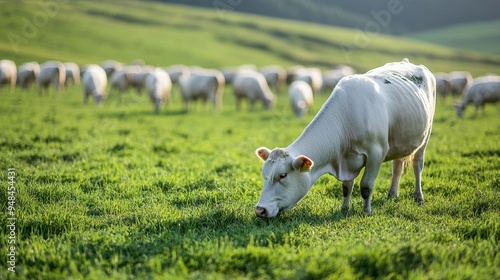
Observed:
{"x":117,"y":191}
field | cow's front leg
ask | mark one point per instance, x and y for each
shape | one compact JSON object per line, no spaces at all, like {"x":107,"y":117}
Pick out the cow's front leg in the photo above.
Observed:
{"x":372,"y":168}
{"x":347,"y":191}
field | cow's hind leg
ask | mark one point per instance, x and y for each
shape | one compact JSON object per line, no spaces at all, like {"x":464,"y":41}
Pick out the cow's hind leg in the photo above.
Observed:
{"x":418,"y":167}
{"x":346,"y":192}
{"x":397,"y":170}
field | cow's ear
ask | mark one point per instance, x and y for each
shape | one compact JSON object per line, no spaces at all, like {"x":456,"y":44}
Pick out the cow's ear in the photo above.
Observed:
{"x":302,"y":164}
{"x":263,"y":153}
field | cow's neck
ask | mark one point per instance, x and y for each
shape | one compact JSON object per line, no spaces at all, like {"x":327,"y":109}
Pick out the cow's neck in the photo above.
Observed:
{"x":321,"y":141}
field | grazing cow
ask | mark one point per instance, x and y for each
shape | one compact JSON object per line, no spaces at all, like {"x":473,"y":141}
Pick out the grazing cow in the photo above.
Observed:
{"x":312,"y":76}
{"x":443,"y":84}
{"x":111,"y":66}
{"x":8,"y":74}
{"x":459,"y":80}
{"x":72,"y":73}
{"x":275,"y":76}
{"x":51,"y":72}
{"x":301,"y":97}
{"x":204,"y":84}
{"x":385,"y":114}
{"x":332,"y":77}
{"x":159,"y":85}
{"x":176,"y":71}
{"x":252,"y":85}
{"x":94,"y":82}
{"x":483,"y":90}
{"x":28,"y":74}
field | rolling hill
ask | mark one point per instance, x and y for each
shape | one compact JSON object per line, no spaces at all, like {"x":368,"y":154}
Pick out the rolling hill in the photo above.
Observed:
{"x":164,"y":34}
{"x":480,"y":36}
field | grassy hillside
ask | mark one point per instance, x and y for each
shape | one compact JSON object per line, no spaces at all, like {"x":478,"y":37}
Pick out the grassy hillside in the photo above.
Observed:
{"x":161,"y":34}
{"x":481,"y":36}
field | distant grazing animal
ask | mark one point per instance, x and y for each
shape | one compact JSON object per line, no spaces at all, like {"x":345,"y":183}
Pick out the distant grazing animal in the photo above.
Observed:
{"x":483,"y":90}
{"x":8,"y":74}
{"x":111,"y":66}
{"x":204,"y":84}
{"x":252,"y":85}
{"x":385,"y":114}
{"x":301,"y":97}
{"x":72,"y":73}
{"x":312,"y":76}
{"x":443,"y":84}
{"x":27,"y":74}
{"x":459,"y":80}
{"x":176,"y":71}
{"x":51,"y":72}
{"x":94,"y":82}
{"x":275,"y":76}
{"x":158,"y":85}
{"x":332,"y":77}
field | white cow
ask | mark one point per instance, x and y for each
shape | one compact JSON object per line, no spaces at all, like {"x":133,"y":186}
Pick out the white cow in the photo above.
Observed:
{"x":310,"y":75}
{"x":94,"y":82}
{"x":275,"y":76}
{"x":204,"y":84}
{"x":301,"y":97}
{"x":158,"y":85}
{"x":252,"y":85}
{"x":111,"y":66}
{"x":8,"y":74}
{"x":483,"y":90}
{"x":332,"y":77}
{"x":51,"y":72}
{"x":72,"y":73}
{"x":443,"y":84}
{"x":176,"y":71}
{"x":459,"y":80}
{"x":385,"y":114}
{"x":28,"y":74}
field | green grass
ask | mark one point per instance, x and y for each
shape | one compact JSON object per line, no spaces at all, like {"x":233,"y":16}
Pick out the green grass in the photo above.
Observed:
{"x":118,"y":191}
{"x":481,"y":36}
{"x":164,"y":34}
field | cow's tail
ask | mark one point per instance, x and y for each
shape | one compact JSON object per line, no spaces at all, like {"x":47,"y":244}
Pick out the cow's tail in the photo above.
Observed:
{"x":408,"y":162}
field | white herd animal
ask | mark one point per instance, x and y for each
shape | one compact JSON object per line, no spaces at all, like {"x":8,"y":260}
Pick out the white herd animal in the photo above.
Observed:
{"x":459,"y":80}
{"x":332,"y":77}
{"x":158,"y":85}
{"x":275,"y":76}
{"x":111,"y":66}
{"x":310,"y":75}
{"x":483,"y":90}
{"x":385,"y":114}
{"x":94,"y":82}
{"x":72,"y":73}
{"x":252,"y":85}
{"x":301,"y":97}
{"x":443,"y":84}
{"x":202,"y":84}
{"x":27,"y":74}
{"x":8,"y":74}
{"x":51,"y":72}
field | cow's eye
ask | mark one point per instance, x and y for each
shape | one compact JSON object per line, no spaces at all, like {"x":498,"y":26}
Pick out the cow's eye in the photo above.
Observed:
{"x":283,"y":176}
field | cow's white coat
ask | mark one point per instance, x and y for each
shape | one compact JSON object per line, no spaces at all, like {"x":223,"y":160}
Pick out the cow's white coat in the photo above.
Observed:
{"x":385,"y":114}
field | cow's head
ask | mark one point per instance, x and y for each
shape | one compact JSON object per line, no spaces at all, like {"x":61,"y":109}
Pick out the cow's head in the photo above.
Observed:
{"x":286,"y":181}
{"x":460,"y":107}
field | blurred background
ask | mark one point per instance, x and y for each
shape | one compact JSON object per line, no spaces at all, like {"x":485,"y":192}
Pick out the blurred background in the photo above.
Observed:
{"x":445,"y":35}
